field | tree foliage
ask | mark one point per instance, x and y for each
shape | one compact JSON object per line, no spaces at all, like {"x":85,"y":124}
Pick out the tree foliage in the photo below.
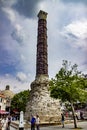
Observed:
{"x":69,"y":85}
{"x":20,"y":100}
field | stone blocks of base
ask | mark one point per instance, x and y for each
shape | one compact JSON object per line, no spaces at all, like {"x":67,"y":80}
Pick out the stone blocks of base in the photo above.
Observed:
{"x":41,"y":103}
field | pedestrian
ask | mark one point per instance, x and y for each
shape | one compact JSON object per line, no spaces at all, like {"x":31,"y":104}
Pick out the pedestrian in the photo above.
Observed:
{"x":8,"y":122}
{"x":81,"y":115}
{"x":62,"y":120}
{"x":2,"y":122}
{"x":37,"y":122}
{"x":0,"y":125}
{"x":33,"y":121}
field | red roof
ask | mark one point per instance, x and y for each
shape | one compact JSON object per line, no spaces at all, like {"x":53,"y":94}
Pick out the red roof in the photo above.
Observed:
{"x":3,"y":96}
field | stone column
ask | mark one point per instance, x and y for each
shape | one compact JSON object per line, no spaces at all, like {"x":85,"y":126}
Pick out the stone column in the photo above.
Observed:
{"x":40,"y":101}
{"x":42,"y":55}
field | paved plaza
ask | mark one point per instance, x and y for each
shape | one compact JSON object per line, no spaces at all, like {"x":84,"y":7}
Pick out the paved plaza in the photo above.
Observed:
{"x":70,"y":126}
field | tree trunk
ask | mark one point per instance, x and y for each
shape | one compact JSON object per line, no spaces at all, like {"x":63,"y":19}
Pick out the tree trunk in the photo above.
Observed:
{"x":74,"y":116}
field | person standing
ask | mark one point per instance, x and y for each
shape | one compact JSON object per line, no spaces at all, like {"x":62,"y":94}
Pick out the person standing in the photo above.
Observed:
{"x":8,"y":122}
{"x":33,"y":121}
{"x":2,"y":123}
{"x":37,"y":122}
{"x":81,"y":115}
{"x":62,"y":119}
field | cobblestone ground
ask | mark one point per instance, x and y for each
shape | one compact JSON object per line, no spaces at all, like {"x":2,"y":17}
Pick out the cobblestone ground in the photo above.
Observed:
{"x":81,"y":125}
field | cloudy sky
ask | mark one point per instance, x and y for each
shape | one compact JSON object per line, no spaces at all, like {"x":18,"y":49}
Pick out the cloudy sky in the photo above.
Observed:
{"x":67,"y":38}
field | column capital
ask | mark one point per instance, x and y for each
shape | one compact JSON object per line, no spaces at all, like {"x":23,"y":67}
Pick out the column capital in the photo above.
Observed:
{"x":42,"y":15}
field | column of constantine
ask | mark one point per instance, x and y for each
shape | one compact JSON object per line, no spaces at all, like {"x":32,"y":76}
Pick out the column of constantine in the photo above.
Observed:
{"x":40,"y":101}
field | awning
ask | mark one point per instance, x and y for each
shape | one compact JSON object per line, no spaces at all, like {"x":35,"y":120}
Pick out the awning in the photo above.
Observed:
{"x":3,"y":112}
{"x":16,"y":112}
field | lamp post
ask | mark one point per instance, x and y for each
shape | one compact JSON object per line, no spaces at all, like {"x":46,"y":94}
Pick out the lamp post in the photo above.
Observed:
{"x":21,"y":122}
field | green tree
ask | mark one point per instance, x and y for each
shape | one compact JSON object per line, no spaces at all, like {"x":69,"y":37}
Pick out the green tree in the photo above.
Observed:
{"x":69,"y":85}
{"x":20,"y":100}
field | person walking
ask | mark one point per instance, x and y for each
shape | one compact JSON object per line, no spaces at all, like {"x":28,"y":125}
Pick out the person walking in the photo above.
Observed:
{"x":62,"y":120}
{"x":33,"y":121}
{"x":37,"y":122}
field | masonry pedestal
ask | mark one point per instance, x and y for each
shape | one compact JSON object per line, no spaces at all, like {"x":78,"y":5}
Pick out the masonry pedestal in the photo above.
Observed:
{"x":41,"y":103}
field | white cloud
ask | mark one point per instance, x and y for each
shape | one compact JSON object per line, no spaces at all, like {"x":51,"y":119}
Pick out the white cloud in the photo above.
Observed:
{"x":77,"y":28}
{"x":18,"y":34}
{"x":21,"y":77}
{"x":23,"y":58}
{"x":76,"y":33}
{"x":8,"y":3}
{"x":15,"y":85}
{"x":10,"y":14}
{"x":18,"y":27}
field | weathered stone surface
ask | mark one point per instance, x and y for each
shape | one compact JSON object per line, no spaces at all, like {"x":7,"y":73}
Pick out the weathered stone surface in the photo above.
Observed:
{"x":42,"y":60}
{"x":40,"y":101}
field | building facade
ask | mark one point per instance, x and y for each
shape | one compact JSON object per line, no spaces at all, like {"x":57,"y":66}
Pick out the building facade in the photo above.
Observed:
{"x":2,"y":102}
